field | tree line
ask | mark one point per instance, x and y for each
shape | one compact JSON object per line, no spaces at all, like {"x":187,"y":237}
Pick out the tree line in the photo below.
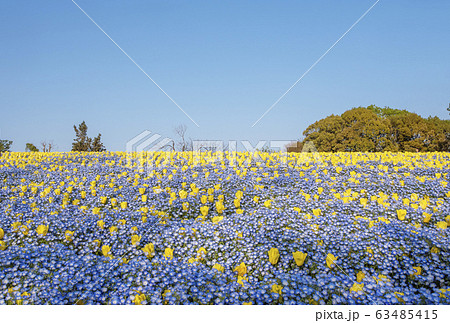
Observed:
{"x":375,"y":129}
{"x":82,"y":142}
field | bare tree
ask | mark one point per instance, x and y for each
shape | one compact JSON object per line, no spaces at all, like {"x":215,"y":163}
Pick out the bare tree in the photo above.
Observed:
{"x":183,"y":144}
{"x":47,"y":146}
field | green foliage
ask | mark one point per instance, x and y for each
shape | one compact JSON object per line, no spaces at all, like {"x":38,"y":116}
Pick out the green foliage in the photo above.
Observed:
{"x":5,"y":145}
{"x":375,"y":129}
{"x":30,"y":147}
{"x":83,"y":143}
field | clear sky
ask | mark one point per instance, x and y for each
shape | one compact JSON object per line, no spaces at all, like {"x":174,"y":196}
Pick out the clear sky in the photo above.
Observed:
{"x":223,"y":62}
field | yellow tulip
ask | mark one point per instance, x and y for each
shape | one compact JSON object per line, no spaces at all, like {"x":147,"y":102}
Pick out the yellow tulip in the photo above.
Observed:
{"x":2,"y":245}
{"x":401,"y":214}
{"x":427,"y":217}
{"x":201,"y":253}
{"x":418,"y":271}
{"x":434,"y":249}
{"x":274,"y":255}
{"x":241,"y":280}
{"x":442,"y":225}
{"x":123,"y":205}
{"x":106,"y":251}
{"x":141,"y":190}
{"x":168,"y":253}
{"x":219,"y":267}
{"x":69,"y":235}
{"x":330,"y":260}
{"x":217,"y":219}
{"x":357,"y":287}
{"x":183,"y":194}
{"x":241,"y":269}
{"x":144,"y":198}
{"x":2,"y":233}
{"x":299,"y":257}
{"x":317,"y":212}
{"x":138,"y":299}
{"x":149,"y":250}
{"x":268,"y":203}
{"x":204,"y":210}
{"x":220,"y":207}
{"x":237,"y":203}
{"x":277,"y":289}
{"x":101,"y":224}
{"x":112,"y":229}
{"x":360,"y":276}
{"x":103,"y":199}
{"x":135,"y":239}
{"x":204,"y":199}
{"x":42,"y":229}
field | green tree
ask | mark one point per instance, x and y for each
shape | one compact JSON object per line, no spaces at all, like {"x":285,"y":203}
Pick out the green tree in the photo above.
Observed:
{"x":30,"y":147}
{"x":376,"y":129}
{"x":5,"y":145}
{"x":97,"y":144}
{"x":83,"y":143}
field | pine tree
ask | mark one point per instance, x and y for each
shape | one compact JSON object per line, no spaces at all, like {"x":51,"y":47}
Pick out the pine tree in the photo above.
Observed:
{"x":83,"y":143}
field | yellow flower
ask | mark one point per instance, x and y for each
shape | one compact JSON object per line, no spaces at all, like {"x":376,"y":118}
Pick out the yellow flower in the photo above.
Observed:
{"x":144,"y":198}
{"x":2,"y":233}
{"x":112,"y":229}
{"x":276,"y":289}
{"x":141,"y":190}
{"x":204,"y":199}
{"x":149,"y":250}
{"x":330,"y":260}
{"x":442,"y":225}
{"x":123,"y":205}
{"x":217,"y":219}
{"x":185,"y":206}
{"x":106,"y":251}
{"x":168,"y":253}
{"x":268,"y":203}
{"x":182,"y":194}
{"x":201,"y":252}
{"x":357,"y":287}
{"x":317,"y":212}
{"x":219,"y":267}
{"x":247,"y":303}
{"x":427,"y":217}
{"x":299,"y":257}
{"x":135,"y":239}
{"x":360,"y":276}
{"x":2,"y":245}
{"x":241,"y":280}
{"x":69,"y":235}
{"x":274,"y":255}
{"x":435,"y":250}
{"x":138,"y":299}
{"x":101,"y":224}
{"x":256,"y":199}
{"x":220,"y":207}
{"x":42,"y":229}
{"x":103,"y":199}
{"x":418,"y":271}
{"x":241,"y":269}
{"x":237,"y":203}
{"x":401,"y":214}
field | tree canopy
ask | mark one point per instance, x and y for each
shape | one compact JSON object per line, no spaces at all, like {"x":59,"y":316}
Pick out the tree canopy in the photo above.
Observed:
{"x":5,"y":145}
{"x":375,"y":129}
{"x":83,"y":143}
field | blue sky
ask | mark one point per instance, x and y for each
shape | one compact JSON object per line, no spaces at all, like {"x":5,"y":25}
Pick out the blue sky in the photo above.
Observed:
{"x":223,"y":62}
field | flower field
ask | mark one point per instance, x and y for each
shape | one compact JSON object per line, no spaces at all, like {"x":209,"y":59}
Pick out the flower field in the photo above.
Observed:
{"x":245,"y":228}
